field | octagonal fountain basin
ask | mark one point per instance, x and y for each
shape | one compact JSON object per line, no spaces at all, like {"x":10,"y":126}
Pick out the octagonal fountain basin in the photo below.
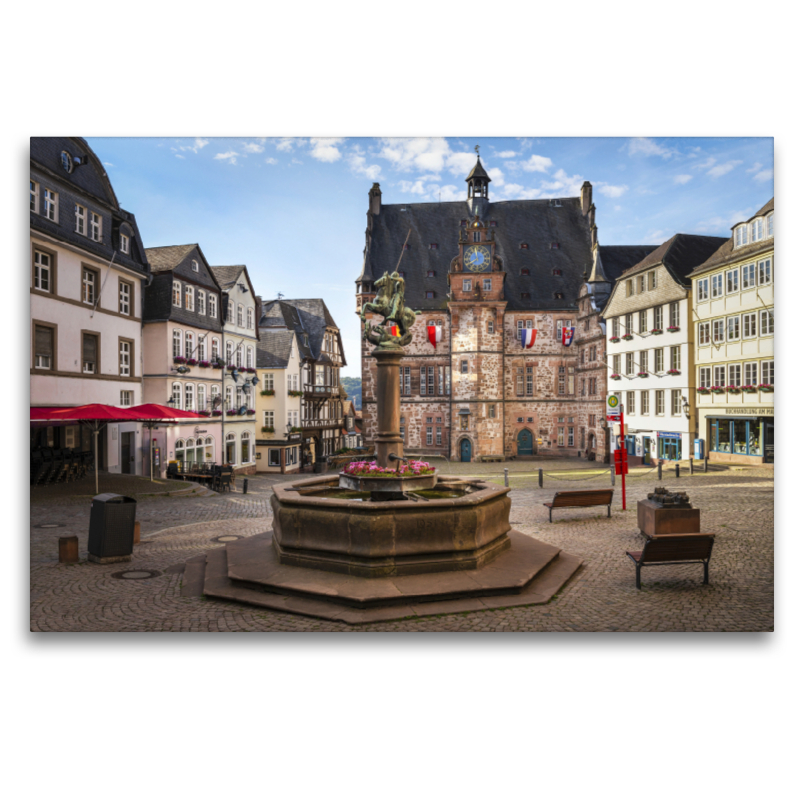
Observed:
{"x":459,"y":525}
{"x":387,"y":485}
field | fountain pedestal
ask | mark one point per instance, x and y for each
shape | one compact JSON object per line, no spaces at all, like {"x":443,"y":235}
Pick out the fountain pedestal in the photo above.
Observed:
{"x":388,"y":440}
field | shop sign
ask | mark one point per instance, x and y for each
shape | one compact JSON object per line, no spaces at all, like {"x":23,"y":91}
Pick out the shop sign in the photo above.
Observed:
{"x":198,"y":430}
{"x":669,"y":435}
{"x":756,"y":412}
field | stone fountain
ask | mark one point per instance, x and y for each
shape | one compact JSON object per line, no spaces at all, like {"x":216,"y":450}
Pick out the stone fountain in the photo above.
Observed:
{"x":366,"y":549}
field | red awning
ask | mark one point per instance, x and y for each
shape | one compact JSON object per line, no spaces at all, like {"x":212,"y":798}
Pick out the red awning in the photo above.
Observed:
{"x":40,"y":413}
{"x":153,"y":411}
{"x":94,"y":412}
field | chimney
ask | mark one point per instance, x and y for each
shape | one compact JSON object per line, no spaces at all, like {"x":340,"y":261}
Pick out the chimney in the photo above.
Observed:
{"x":375,"y":199}
{"x":586,"y":197}
{"x":594,"y":235}
{"x":591,"y":213}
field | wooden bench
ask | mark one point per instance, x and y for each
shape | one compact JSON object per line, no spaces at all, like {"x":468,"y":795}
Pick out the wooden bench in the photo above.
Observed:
{"x":595,"y":497}
{"x":681,"y":548}
{"x":493,"y":458}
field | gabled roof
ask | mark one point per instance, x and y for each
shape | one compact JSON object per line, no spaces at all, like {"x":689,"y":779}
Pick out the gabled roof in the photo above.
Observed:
{"x":680,"y":255}
{"x":164,"y":259}
{"x":306,"y":318}
{"x":478,"y":172}
{"x":227,"y":276}
{"x":274,"y":348}
{"x":619,"y":258}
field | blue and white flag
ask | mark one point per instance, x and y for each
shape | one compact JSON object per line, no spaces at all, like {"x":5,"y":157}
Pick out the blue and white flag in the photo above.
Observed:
{"x":527,"y":337}
{"x":566,"y":336}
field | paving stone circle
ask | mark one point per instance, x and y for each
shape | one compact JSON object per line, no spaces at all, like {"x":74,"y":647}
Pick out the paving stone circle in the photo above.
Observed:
{"x":136,"y":574}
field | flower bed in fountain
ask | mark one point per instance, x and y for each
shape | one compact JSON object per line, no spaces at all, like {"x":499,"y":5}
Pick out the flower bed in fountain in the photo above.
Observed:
{"x":367,"y":476}
{"x":369,"y":469}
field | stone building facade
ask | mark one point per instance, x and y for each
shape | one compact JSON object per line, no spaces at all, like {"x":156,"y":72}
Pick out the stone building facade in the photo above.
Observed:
{"x":482,"y":272}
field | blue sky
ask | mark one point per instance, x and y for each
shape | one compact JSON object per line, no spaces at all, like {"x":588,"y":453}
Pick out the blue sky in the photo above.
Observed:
{"x":294,"y":209}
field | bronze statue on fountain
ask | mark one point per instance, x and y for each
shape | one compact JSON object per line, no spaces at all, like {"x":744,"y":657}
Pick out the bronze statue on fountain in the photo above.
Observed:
{"x":390,"y":304}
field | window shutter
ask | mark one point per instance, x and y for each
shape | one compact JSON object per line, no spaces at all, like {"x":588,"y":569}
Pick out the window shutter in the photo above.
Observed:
{"x":89,"y":348}
{"x":44,"y":341}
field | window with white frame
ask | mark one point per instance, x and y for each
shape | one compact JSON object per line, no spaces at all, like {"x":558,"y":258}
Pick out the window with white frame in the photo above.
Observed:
{"x":702,"y":289}
{"x":189,"y":344}
{"x":770,"y":225}
{"x":757,"y":230}
{"x":228,"y":353}
{"x":719,"y":376}
{"x":490,"y":326}
{"x":652,"y":280}
{"x":201,"y":397}
{"x":89,"y":285}
{"x":629,"y":288}
{"x":487,"y":284}
{"x":643,"y":322}
{"x":675,"y":402}
{"x":239,"y":349}
{"x":749,"y":325}
{"x":240,"y":315}
{"x":748,"y":276}
{"x":250,"y":358}
{"x":190,"y":298}
{"x":658,"y":358}
{"x":126,"y":398}
{"x":768,"y":373}
{"x":751,"y":373}
{"x":674,"y":315}
{"x":124,"y":358}
{"x":230,"y":448}
{"x":642,"y":283}
{"x":629,"y":363}
{"x":660,"y":402}
{"x":124,"y":243}
{"x":214,"y":394}
{"x":704,"y":378}
{"x":704,"y":333}
{"x":466,"y":284}
{"x":615,"y":368}
{"x":212,"y":306}
{"x":250,"y":318}
{"x":246,"y":449}
{"x":231,"y":311}
{"x":50,"y":209}
{"x":732,"y":281}
{"x":201,"y":347}
{"x":718,"y":330}
{"x":214,"y":348}
{"x":767,"y":322}
{"x":740,"y":236}
{"x":615,"y":328}
{"x":675,"y":357}
{"x":34,"y":197}
{"x":177,"y":343}
{"x":560,"y":437}
{"x":201,"y":302}
{"x":229,"y":397}
{"x":765,"y":271}
{"x":124,"y":298}
{"x":177,"y":395}
{"x":43,"y":346}
{"x":95,"y":227}
{"x":630,"y":403}
{"x":80,"y":220}
{"x":643,"y":360}
{"x":195,"y":266}
{"x":628,"y":323}
{"x":658,"y":318}
{"x":734,"y":374}
{"x":176,"y":294}
{"x":733,"y":329}
{"x":716,"y":285}
{"x":42,"y":274}
{"x":644,"y":398}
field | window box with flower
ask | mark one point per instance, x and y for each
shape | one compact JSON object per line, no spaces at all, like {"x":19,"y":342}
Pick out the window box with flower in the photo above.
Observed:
{"x":250,"y":412}
{"x":673,"y":372}
{"x":268,"y":393}
{"x":748,"y":388}
{"x":204,"y":413}
{"x":295,"y":393}
{"x":628,"y":337}
{"x":204,"y":364}
{"x":267,"y":429}
{"x":231,"y":367}
{"x":191,"y":362}
{"x":673,"y":328}
{"x":616,"y":377}
{"x":642,"y":374}
{"x":657,"y":331}
{"x":766,"y":387}
{"x":216,"y":413}
{"x":179,"y":360}
{"x":703,"y":390}
{"x":614,"y":339}
{"x":231,"y":412}
{"x":217,"y":365}
{"x":717,"y":390}
{"x":733,"y":389}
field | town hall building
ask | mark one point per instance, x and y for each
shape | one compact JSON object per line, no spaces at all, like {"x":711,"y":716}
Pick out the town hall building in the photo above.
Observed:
{"x":481,"y":272}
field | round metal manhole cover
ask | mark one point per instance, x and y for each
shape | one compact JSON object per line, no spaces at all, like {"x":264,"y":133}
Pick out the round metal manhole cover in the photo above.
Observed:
{"x":50,"y":525}
{"x":226,"y":538}
{"x":136,"y":574}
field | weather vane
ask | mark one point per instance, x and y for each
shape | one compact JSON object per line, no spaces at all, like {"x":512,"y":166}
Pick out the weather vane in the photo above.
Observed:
{"x":478,"y":150}
{"x":280,"y":295}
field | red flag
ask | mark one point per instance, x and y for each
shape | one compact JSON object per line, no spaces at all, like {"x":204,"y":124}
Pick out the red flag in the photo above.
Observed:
{"x":434,"y":334}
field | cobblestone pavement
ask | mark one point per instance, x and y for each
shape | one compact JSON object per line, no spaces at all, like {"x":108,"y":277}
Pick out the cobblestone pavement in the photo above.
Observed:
{"x":736,"y":504}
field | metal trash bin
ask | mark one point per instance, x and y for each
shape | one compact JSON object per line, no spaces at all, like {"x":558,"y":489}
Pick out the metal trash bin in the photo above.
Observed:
{"x":111,"y":527}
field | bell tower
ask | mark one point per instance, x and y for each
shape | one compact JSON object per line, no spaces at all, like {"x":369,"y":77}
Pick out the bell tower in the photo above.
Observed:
{"x":478,"y":188}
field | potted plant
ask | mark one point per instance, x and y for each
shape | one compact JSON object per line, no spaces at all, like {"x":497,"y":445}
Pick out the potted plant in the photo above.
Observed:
{"x":628,"y":337}
{"x":251,"y":370}
{"x":766,"y":387}
{"x":295,"y":393}
{"x":203,"y":363}
{"x":231,"y":367}
{"x":703,"y":390}
{"x":748,"y":388}
{"x":230,"y":412}
{"x":267,"y":392}
{"x":267,"y":429}
{"x":205,"y":413}
{"x":717,"y":390}
{"x":216,"y":413}
{"x":192,"y":362}
{"x":616,"y":377}
{"x":178,"y":360}
{"x":250,"y":412}
{"x":732,"y":389}
{"x":216,"y":365}
{"x":673,"y":372}
{"x":673,"y":328}
{"x":294,"y":429}
{"x":642,"y":374}
{"x":614,"y":339}
{"x":657,"y":331}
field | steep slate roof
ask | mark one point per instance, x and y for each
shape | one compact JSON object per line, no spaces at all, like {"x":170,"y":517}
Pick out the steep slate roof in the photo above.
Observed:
{"x":727,"y":253}
{"x":680,"y":255}
{"x":274,"y":348}
{"x":163,"y":259}
{"x":478,"y":172}
{"x":303,"y":317}
{"x":618,"y":258}
{"x":536,"y":222}
{"x":227,"y":276}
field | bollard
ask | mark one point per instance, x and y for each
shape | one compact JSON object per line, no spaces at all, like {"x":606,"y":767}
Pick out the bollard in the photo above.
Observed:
{"x":505,"y":476}
{"x":691,"y":466}
{"x":541,"y":478}
{"x":244,"y":486}
{"x":68,"y":549}
{"x":613,"y":475}
{"x":659,"y":470}
{"x":677,"y":470}
{"x":137,"y":533}
{"x":706,"y":464}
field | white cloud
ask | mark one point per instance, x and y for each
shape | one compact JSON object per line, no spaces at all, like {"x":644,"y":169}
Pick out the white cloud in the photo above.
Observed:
{"x":681,"y":179}
{"x":287,"y":143}
{"x":196,"y":146}
{"x":461,"y":163}
{"x":271,"y":160}
{"x":641,"y":145}
{"x":252,"y":147}
{"x":722,"y":169}
{"x":723,"y":224}
{"x":764,"y":175}
{"x":537,"y":164}
{"x":755,"y":168}
{"x":326,"y":149}
{"x":707,"y":164}
{"x":448,"y":193}
{"x":612,"y":191}
{"x":507,"y":154}
{"x":358,"y":164}
{"x":516,"y":191}
{"x":497,"y":177}
{"x":295,"y":161}
{"x":107,"y":164}
{"x":413,"y":187}
{"x":655,"y":237}
{"x":230,"y":156}
{"x":617,"y":208}
{"x":428,"y":154}
{"x":563,"y":186}
{"x":178,"y":155}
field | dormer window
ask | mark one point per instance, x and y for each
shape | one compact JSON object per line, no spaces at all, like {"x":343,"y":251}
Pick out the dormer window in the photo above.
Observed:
{"x":523,"y":245}
{"x":556,"y":272}
{"x":524,"y":271}
{"x":493,"y":223}
{"x":195,"y":266}
{"x":431,"y":273}
{"x":176,"y":294}
{"x":559,"y":295}
{"x":430,"y":295}
{"x":525,"y":295}
{"x":554,"y":245}
{"x":740,"y":236}
{"x":434,"y":246}
{"x":555,"y":203}
{"x":463,"y":223}
{"x":124,"y":243}
{"x":770,"y":226}
{"x":406,"y":247}
{"x":757,"y":230}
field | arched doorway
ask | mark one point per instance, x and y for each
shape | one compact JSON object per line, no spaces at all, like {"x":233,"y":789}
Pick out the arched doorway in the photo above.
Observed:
{"x":591,"y":450}
{"x":524,"y":443}
{"x":466,"y":450}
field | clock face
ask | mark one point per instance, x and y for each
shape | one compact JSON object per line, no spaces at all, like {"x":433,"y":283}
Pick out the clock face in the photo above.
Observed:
{"x":478,"y":258}
{"x":66,"y":161}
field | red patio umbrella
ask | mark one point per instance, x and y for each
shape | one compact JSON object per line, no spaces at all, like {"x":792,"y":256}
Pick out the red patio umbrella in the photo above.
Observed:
{"x":153,"y":412}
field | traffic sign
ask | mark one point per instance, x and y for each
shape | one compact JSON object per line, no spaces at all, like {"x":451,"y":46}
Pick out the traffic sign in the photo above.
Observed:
{"x":612,"y":407}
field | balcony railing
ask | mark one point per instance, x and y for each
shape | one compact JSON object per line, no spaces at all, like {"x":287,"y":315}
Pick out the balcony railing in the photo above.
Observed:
{"x":310,"y":424}
{"x":320,"y":389}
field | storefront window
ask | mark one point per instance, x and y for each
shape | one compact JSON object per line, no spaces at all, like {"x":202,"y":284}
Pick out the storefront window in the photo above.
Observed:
{"x":724,"y":440}
{"x":740,"y":436}
{"x":245,"y":448}
{"x":189,"y":452}
{"x":179,"y":450}
{"x":230,"y":448}
{"x":209,"y":448}
{"x":754,"y":438}
{"x":274,"y":457}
